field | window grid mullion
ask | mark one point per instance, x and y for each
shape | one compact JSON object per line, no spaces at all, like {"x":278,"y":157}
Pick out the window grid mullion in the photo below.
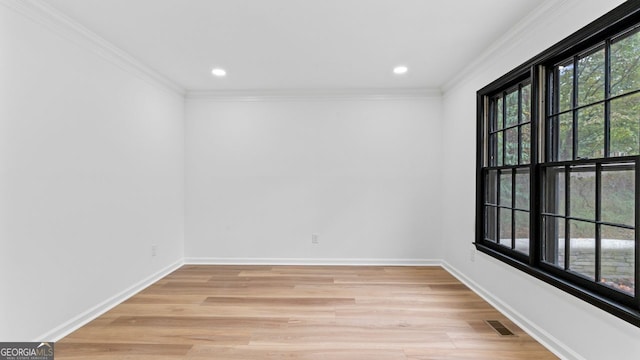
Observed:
{"x":567,"y":213}
{"x":498,"y":208}
{"x":607,"y":95}
{"x":504,"y":124}
{"x":574,"y":113}
{"x":598,"y":226}
{"x":551,"y":146}
{"x":509,"y":127}
{"x":605,"y":223}
{"x":637,"y":235}
{"x":608,"y":99}
{"x":513,"y":211}
{"x":519,"y":147}
{"x":493,"y":137}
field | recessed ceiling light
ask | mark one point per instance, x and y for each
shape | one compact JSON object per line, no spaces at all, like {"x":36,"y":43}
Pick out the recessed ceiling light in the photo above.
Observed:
{"x":400,"y":70}
{"x":218,"y":72}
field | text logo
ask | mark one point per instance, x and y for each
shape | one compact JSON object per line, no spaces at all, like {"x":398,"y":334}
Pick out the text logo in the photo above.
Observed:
{"x":26,"y":351}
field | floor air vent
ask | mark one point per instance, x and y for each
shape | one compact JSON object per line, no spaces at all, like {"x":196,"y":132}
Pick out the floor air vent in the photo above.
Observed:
{"x":499,"y":328}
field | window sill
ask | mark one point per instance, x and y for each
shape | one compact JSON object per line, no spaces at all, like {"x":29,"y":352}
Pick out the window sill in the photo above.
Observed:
{"x":625,"y":313}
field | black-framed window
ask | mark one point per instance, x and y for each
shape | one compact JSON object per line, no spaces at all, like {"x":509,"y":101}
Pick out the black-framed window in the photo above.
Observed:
{"x":558,"y":181}
{"x":588,"y":223}
{"x":594,"y":95}
{"x":507,"y":176}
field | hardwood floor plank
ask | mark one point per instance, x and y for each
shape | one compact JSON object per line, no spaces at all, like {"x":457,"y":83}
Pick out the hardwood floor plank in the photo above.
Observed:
{"x":213,"y":322}
{"x":476,"y":354}
{"x":88,"y":350}
{"x":294,"y":353}
{"x":152,"y":335}
{"x":163,"y":299}
{"x":276,"y":301}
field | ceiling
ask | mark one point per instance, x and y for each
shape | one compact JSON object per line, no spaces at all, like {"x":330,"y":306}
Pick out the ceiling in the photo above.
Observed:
{"x":300,"y":44}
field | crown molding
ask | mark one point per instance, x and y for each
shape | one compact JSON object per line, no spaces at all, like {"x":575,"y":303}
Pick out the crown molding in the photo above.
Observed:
{"x":547,"y":12}
{"x":314,"y":94}
{"x":44,"y":14}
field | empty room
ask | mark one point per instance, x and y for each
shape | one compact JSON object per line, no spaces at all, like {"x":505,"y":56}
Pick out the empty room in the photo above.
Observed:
{"x":319,"y":179}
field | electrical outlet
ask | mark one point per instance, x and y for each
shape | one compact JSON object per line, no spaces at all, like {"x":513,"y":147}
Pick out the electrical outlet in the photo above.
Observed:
{"x":154,"y":250}
{"x":315,"y":239}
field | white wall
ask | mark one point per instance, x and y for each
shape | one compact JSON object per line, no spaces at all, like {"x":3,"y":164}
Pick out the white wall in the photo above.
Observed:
{"x":91,"y":174}
{"x":262,"y":176}
{"x":586,"y":331}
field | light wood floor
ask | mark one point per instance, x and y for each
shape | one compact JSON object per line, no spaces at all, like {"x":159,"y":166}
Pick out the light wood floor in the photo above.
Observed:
{"x":301,"y":312}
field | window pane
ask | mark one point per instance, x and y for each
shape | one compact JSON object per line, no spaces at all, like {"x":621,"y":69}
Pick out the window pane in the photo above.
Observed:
{"x":505,"y":188}
{"x":491,"y":223}
{"x":491,"y":187}
{"x":493,"y":115}
{"x":617,"y":258}
{"x":499,"y":161}
{"x":554,"y":191}
{"x":554,"y":240}
{"x":522,"y":231}
{"x":505,"y":227}
{"x":582,"y":192}
{"x":591,"y":78}
{"x":526,"y":103}
{"x":582,"y":249}
{"x":499,"y":120}
{"x":625,"y":126}
{"x":491,"y":151}
{"x":525,"y":146}
{"x":512,"y":108}
{"x":564,"y":73}
{"x":522,"y":189}
{"x":625,"y":67}
{"x":565,"y":137}
{"x":618,"y":194}
{"x":591,"y":132}
{"x":511,"y":147}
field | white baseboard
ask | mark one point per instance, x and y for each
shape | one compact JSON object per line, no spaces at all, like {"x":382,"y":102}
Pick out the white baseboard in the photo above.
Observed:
{"x":310,"y":261}
{"x":91,"y":314}
{"x":543,"y":337}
